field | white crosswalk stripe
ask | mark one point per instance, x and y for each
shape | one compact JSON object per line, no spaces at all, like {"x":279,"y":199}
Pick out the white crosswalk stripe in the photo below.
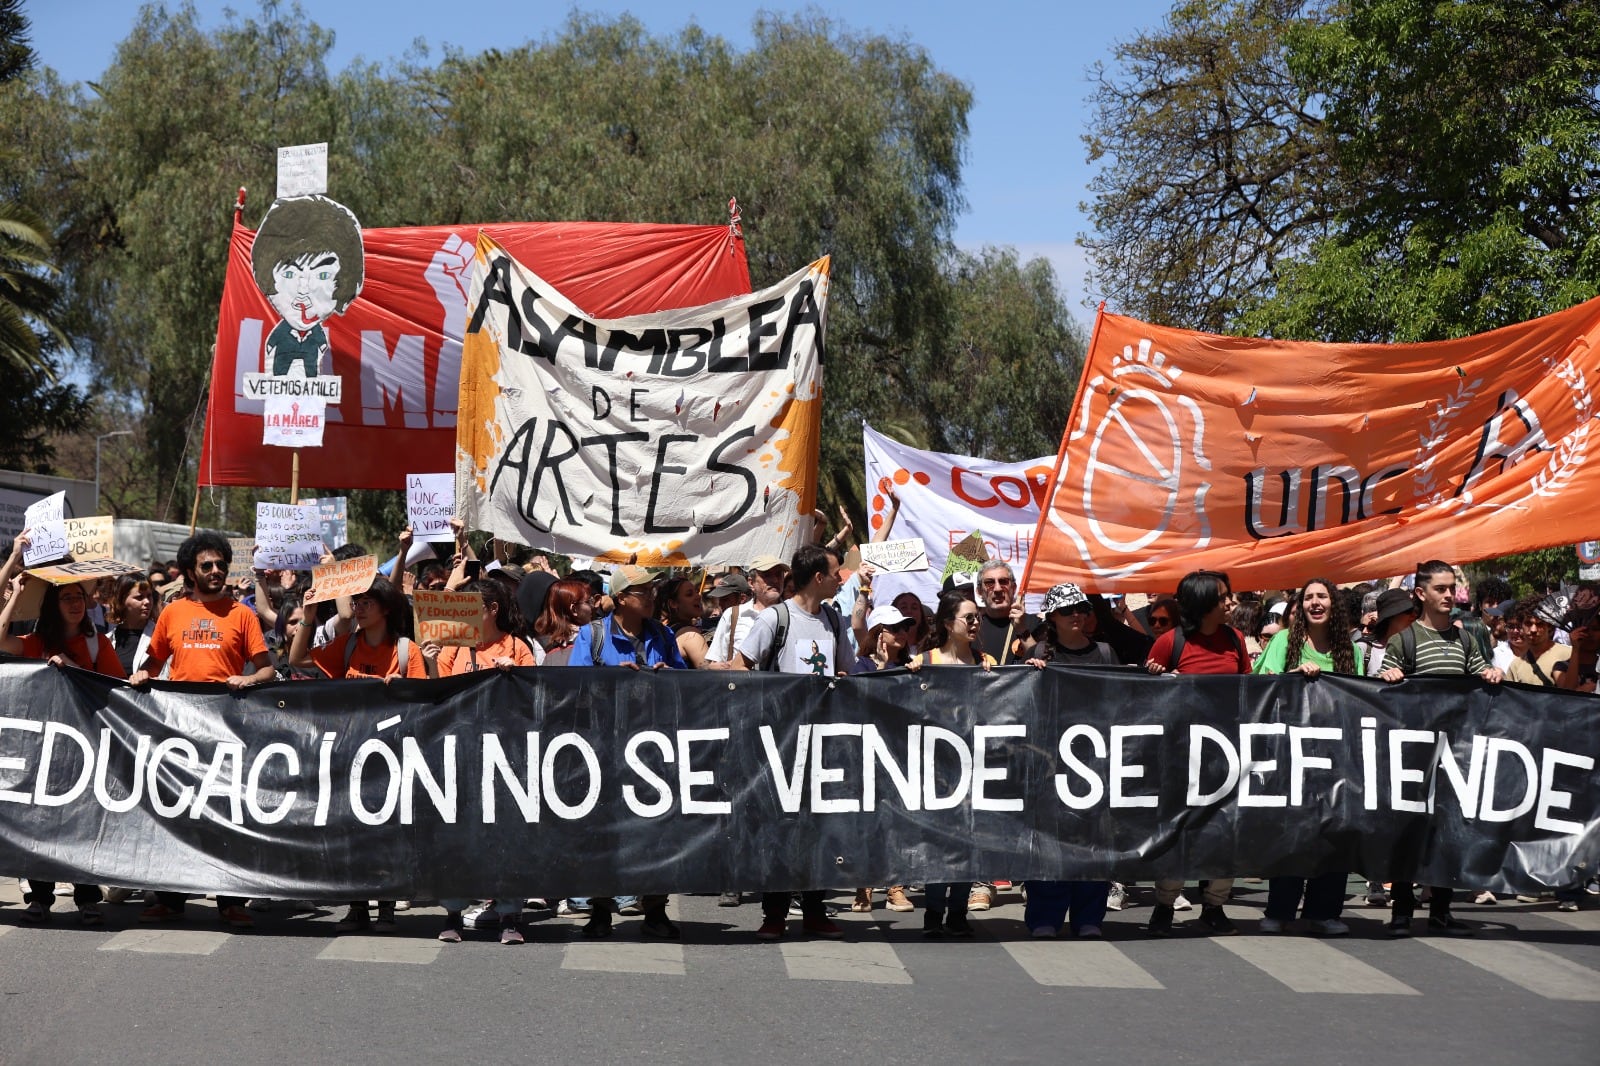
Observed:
{"x":865,"y":962}
{"x":166,"y":941}
{"x":1078,"y":964}
{"x":1586,"y":921}
{"x":646,"y":957}
{"x":1311,"y":966}
{"x":405,"y":950}
{"x":1541,"y":972}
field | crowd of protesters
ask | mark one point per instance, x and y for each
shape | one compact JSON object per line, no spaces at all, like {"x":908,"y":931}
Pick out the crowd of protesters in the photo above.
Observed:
{"x":806,"y":615}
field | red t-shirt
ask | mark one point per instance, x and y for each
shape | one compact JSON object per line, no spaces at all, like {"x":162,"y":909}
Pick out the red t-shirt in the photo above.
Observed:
{"x":367,"y":661}
{"x":1223,"y":652}
{"x":207,"y":641}
{"x":105,"y":660}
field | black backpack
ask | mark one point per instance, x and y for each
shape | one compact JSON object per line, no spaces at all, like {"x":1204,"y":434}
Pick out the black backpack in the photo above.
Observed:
{"x":780,"y":636}
{"x":1178,"y":642}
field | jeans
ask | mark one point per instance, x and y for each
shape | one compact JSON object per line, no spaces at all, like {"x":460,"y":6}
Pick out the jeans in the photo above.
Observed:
{"x":775,"y":906}
{"x":1050,"y":902}
{"x":585,"y":903}
{"x":44,"y":894}
{"x":1324,"y":896}
{"x":946,"y":897}
{"x":1216,"y":892}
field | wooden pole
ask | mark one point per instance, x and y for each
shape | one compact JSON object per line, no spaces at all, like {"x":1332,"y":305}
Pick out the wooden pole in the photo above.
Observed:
{"x":294,"y":479}
{"x":194,"y":512}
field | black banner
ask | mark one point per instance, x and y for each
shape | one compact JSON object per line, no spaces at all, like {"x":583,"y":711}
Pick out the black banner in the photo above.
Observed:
{"x":582,"y":781}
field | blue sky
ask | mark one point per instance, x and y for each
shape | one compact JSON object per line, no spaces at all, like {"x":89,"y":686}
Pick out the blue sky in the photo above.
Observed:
{"x":1027,"y":64}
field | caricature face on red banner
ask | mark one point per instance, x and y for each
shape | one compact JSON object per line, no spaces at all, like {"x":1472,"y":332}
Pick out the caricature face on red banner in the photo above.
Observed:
{"x":390,"y":370}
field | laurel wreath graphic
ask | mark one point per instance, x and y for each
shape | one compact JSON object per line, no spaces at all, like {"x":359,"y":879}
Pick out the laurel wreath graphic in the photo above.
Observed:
{"x":1428,"y":489}
{"x":1574,"y":447}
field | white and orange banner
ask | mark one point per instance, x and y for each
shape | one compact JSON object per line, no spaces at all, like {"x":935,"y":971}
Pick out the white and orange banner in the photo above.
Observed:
{"x":1279,"y":461}
{"x":669,"y":438}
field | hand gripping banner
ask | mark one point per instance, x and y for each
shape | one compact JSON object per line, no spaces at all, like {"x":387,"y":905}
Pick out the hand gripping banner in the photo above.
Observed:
{"x":1279,"y":461}
{"x":670,"y":438}
{"x":388,"y":365}
{"x":595,"y":781}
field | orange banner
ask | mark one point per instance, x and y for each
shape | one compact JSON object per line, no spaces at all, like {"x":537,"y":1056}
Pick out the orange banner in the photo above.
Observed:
{"x":1279,"y":461}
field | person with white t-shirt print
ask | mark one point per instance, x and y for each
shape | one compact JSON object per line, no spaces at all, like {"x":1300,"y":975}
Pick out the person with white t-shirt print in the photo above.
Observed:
{"x":801,"y":635}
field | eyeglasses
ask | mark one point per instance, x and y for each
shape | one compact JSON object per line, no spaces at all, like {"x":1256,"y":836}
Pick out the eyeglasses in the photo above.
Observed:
{"x":997,"y":582}
{"x":1081,"y":608}
{"x":1159,"y":621}
{"x":902,"y":627}
{"x":210,"y":565}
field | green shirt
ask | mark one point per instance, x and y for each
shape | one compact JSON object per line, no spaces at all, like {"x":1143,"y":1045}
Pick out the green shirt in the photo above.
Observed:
{"x":1276,"y":653}
{"x":1448,"y":654}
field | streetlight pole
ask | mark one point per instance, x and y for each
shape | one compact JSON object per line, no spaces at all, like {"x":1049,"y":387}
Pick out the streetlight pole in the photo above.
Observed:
{"x":97,"y":440}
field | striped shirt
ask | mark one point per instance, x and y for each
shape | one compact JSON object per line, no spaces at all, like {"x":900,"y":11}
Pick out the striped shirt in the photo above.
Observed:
{"x":1447,"y":654}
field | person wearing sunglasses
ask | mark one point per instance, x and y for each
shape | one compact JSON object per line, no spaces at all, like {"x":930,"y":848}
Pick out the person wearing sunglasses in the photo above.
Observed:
{"x":1003,"y":626}
{"x":206,"y":636}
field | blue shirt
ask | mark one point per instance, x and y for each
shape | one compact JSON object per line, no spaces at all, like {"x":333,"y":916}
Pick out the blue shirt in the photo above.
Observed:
{"x":617,"y":648}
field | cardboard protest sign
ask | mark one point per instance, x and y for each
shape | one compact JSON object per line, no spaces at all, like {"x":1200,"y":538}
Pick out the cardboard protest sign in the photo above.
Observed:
{"x":47,"y":531}
{"x":287,"y":537}
{"x":398,"y":345}
{"x":448,"y":617}
{"x":291,"y":423}
{"x":89,"y":538}
{"x":669,"y":438}
{"x":430,"y":504}
{"x":242,"y":571}
{"x":896,"y":556}
{"x":1277,"y":461}
{"x":32,"y":594}
{"x":346,"y":577}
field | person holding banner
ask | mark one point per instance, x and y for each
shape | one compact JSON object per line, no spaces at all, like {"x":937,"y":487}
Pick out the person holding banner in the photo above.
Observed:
{"x":1202,"y":643}
{"x":680,"y":609}
{"x":132,"y":620}
{"x":499,"y":646}
{"x":629,"y":636}
{"x":953,"y":636}
{"x":1070,"y":617}
{"x":1317,"y":640}
{"x":1432,"y":646}
{"x":64,"y":636}
{"x":568,"y":608}
{"x":206,"y":636}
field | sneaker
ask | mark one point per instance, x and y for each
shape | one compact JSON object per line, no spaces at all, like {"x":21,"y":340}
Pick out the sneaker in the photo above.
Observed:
{"x":1329,"y":927}
{"x":89,"y":914}
{"x":659,"y":927}
{"x":898,"y":901}
{"x":1213,"y":918}
{"x":1269,"y":926}
{"x":1160,"y":923}
{"x":1090,"y":932}
{"x":118,"y":894}
{"x":1377,"y":898}
{"x":1567,"y":905}
{"x":1592,"y":886}
{"x":1399,"y":926}
{"x":1449,"y":925}
{"x":772,"y":929}
{"x":629,"y":905}
{"x":1118,"y":897}
{"x":1527,"y":897}
{"x":509,"y":933}
{"x":957,"y":926}
{"x":65,"y":888}
{"x":823,"y":927}
{"x":357,"y":918}
{"x":863,"y":901}
{"x":729,"y":899}
{"x":237,"y":918}
{"x":36,"y":912}
{"x":933,"y":924}
{"x":598,"y":927}
{"x":259,"y":904}
{"x":981,"y":898}
{"x":1182,"y":903}
{"x":1485,"y":899}
{"x":481,"y":916}
{"x":1043,"y":932}
{"x":569,"y":910}
{"x":160,"y":912}
{"x":450,"y":934}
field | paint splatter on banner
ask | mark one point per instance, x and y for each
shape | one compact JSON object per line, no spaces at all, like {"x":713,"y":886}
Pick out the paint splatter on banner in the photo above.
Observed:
{"x":676,"y":437}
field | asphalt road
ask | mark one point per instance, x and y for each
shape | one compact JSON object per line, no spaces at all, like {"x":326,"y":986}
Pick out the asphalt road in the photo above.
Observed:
{"x":1526,"y":988}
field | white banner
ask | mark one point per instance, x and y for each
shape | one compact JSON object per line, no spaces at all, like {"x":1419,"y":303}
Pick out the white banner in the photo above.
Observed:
{"x":290,"y":423}
{"x":430,"y":504}
{"x":676,"y":437}
{"x":943,"y":498}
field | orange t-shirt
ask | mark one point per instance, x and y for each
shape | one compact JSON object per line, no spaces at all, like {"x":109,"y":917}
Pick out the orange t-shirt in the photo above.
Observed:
{"x":206,"y":641}
{"x":461,"y":660}
{"x":367,"y":661}
{"x":104,"y":662}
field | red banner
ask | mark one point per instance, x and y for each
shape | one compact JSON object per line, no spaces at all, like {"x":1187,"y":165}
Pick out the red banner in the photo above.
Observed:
{"x":397,"y":348}
{"x":1279,"y":461}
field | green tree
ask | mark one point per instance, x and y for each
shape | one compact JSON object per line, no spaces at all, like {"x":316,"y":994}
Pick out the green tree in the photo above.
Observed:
{"x":1215,"y":162}
{"x":1469,"y":159}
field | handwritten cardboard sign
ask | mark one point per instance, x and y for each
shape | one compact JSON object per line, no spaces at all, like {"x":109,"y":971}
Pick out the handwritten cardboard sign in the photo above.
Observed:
{"x":448,"y":617}
{"x":896,"y":556}
{"x":430,"y":503}
{"x":83,"y":570}
{"x":347,"y":577}
{"x":89,"y":538}
{"x":287,"y":537}
{"x":241,"y":571}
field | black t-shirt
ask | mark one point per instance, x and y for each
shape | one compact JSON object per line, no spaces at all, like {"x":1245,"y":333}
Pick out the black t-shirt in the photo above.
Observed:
{"x":992,"y":635}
